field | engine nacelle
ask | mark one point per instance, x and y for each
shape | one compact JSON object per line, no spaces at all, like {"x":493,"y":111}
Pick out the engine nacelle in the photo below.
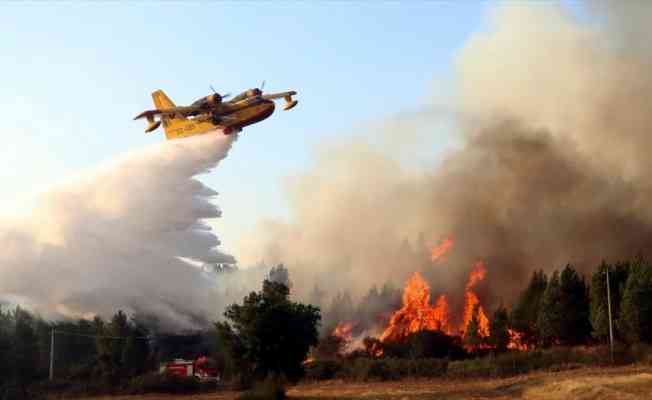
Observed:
{"x":254,"y":92}
{"x":213,"y":99}
{"x":209,"y":101}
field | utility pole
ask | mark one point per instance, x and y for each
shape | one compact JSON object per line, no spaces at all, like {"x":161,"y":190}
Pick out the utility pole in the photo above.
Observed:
{"x":611,"y":330}
{"x":52,"y":355}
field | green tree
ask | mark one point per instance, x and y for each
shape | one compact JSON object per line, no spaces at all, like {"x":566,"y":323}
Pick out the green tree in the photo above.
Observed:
{"x":75,"y":354}
{"x":564,"y":314}
{"x":121,"y":348}
{"x":329,"y":347}
{"x":549,"y":322}
{"x":280,"y":274}
{"x":598,"y":295}
{"x":268,"y":333}
{"x":136,"y":352}
{"x":576,"y":325}
{"x":499,"y":330}
{"x":472,"y":337}
{"x":24,"y":349}
{"x":636,"y":313}
{"x":341,"y":309}
{"x":525,"y":313}
{"x":6,"y":334}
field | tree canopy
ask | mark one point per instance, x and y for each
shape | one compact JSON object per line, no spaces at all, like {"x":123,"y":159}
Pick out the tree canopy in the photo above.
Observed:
{"x":268,"y":333}
{"x":498,"y":330}
{"x":599,"y":313}
{"x":636,"y":314}
{"x":525,"y":314}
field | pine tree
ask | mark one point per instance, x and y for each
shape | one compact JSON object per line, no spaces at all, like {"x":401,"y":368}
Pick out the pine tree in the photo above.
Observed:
{"x":599,"y":312}
{"x":575,"y":323}
{"x":6,"y":328}
{"x":499,"y":330}
{"x":135,"y":353}
{"x":316,"y":296}
{"x":549,"y":322}
{"x":341,"y":309}
{"x":110,"y":346}
{"x":24,"y":349}
{"x":525,"y":314}
{"x":636,"y":313}
{"x":472,"y":337}
{"x":280,"y":274}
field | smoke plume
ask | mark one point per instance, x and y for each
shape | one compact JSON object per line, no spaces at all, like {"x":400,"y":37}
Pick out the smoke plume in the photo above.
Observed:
{"x":113,"y":237}
{"x":554,"y":120}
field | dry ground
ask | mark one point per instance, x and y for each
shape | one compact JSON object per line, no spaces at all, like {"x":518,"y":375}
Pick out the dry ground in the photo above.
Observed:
{"x":633,"y":382}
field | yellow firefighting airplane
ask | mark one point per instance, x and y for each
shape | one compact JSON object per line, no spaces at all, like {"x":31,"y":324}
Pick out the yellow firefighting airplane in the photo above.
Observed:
{"x":212,"y":113}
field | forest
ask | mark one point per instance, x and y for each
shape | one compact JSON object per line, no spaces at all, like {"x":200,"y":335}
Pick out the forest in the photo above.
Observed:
{"x":562,"y":318}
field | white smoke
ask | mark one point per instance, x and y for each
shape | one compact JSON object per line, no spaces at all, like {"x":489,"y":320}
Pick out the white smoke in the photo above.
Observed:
{"x":113,"y":237}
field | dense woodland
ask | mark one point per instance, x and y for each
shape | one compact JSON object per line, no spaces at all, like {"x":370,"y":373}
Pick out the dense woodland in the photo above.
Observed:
{"x":270,"y":335}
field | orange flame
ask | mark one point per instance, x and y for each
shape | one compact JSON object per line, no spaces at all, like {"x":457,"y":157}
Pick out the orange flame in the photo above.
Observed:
{"x":344,"y":331}
{"x":472,"y":301}
{"x":438,"y":252}
{"x":417,"y":314}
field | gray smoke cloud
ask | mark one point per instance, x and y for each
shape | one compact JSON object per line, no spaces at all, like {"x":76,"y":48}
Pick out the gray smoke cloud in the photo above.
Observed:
{"x":553,"y":124}
{"x":114,"y":237}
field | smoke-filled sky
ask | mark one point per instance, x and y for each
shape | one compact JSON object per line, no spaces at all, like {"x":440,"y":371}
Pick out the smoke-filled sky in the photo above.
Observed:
{"x":551,"y":165}
{"x":530,"y":152}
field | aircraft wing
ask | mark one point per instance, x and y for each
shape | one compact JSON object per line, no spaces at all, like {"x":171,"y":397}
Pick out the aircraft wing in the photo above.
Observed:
{"x":172,"y":111}
{"x":281,"y":95}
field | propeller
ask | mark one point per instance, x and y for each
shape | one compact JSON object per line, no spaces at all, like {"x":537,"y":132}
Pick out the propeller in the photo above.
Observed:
{"x":262,"y":85}
{"x":223,"y":96}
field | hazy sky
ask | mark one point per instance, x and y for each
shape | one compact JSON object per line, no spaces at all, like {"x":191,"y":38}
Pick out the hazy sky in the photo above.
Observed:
{"x":73,"y":75}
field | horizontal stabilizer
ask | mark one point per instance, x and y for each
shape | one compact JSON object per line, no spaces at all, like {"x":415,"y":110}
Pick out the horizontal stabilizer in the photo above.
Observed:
{"x":152,"y":126}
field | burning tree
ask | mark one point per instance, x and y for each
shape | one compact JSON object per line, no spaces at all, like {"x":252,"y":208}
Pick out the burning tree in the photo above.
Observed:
{"x":473,"y":336}
{"x":417,"y":314}
{"x":500,"y":337}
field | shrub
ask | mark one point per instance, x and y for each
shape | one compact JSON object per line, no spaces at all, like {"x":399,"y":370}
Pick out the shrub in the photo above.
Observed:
{"x":269,"y":389}
{"x":417,"y":368}
{"x":469,"y":368}
{"x":517,"y":362}
{"x":642,"y":353}
{"x":163,"y":383}
{"x":370,"y":369}
{"x":323,"y":369}
{"x":378,"y":370}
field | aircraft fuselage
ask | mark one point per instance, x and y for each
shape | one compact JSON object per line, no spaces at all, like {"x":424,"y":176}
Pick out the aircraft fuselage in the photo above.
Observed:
{"x":237,"y":115}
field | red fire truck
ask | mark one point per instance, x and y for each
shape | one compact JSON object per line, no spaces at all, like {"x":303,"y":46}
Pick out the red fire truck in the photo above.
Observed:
{"x":200,"y":369}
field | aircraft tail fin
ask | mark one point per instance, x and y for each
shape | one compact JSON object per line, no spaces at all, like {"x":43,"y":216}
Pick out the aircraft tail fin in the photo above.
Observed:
{"x":175,"y":124}
{"x":161,"y":100}
{"x":171,"y":123}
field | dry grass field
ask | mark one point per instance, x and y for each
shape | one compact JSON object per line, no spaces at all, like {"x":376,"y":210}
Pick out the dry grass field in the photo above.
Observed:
{"x":622,"y":383}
